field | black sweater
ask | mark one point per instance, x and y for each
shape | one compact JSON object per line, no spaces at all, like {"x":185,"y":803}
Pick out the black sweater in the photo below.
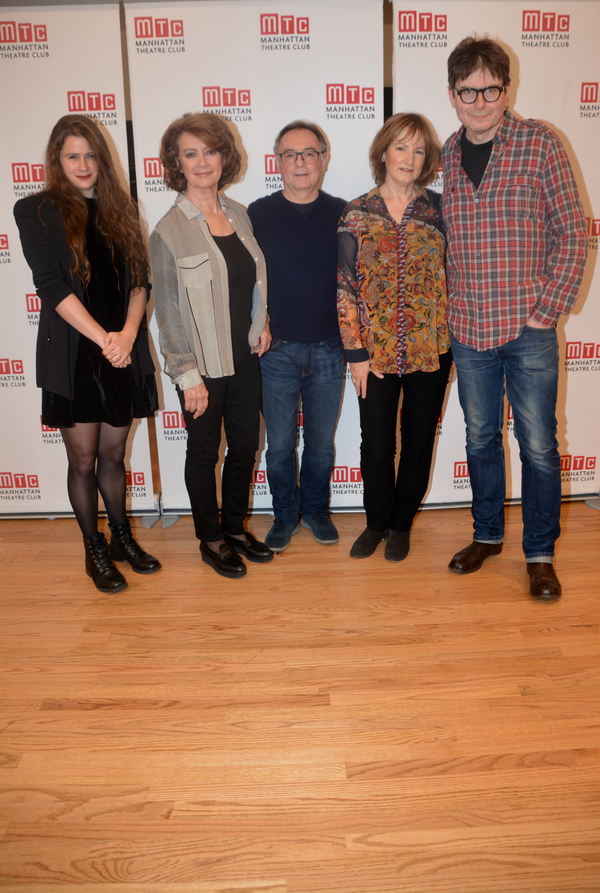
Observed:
{"x":301,"y":255}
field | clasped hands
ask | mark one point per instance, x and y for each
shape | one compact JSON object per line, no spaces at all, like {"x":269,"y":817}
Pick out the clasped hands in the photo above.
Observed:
{"x":117,"y":349}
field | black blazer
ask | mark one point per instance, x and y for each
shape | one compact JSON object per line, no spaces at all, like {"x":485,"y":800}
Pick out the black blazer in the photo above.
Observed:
{"x":44,"y":240}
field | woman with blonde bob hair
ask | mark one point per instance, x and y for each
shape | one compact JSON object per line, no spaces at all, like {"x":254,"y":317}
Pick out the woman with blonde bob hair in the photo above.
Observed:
{"x":81,"y":237}
{"x":210,"y":295}
{"x":392,"y":315}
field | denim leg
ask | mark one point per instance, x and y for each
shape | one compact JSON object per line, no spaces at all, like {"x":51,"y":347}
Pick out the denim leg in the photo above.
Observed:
{"x":481,"y":394}
{"x":322,"y":381}
{"x":531,"y":365}
{"x":281,"y":368}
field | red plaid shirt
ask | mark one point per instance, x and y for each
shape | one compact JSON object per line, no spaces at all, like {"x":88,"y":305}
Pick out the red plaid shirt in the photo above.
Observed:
{"x":517,"y":246}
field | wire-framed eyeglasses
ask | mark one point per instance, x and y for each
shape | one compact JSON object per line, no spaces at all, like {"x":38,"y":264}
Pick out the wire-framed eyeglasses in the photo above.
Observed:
{"x":309,"y":156}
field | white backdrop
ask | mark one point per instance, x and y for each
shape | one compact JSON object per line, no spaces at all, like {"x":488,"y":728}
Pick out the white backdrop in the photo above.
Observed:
{"x":46,"y":73}
{"x":554,"y":67}
{"x":279,"y":61}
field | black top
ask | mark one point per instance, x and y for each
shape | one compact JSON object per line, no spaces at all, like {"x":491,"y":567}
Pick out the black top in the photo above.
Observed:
{"x":44,"y":241}
{"x":475,"y":157}
{"x":241,"y":277}
{"x":299,"y":242}
{"x":103,"y":393}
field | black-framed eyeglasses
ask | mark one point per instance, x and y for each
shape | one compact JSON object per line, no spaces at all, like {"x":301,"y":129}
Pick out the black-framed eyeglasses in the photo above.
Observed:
{"x":469,"y":95}
{"x":309,"y":156}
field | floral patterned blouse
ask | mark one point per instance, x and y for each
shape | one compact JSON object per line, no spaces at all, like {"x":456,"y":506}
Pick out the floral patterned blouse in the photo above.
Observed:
{"x":392,"y":284}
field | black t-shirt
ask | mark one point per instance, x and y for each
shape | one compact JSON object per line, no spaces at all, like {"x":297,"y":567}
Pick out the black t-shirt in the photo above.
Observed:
{"x":475,"y":157}
{"x":241,"y":277}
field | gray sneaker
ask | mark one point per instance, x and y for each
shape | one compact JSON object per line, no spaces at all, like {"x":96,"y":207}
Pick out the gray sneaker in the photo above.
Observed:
{"x":278,"y":537}
{"x":322,"y":528}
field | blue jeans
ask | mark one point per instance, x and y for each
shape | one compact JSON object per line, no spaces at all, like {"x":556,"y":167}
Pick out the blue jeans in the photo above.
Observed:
{"x":529,"y":364}
{"x":315,"y":371}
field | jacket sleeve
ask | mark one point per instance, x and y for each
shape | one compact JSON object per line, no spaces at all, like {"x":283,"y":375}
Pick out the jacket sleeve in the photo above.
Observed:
{"x":41,"y":230}
{"x":567,"y":238}
{"x":180,"y":361}
{"x":348,"y":293}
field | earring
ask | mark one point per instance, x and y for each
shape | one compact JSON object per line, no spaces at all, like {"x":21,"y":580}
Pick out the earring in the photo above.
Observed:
{"x":383,"y":158}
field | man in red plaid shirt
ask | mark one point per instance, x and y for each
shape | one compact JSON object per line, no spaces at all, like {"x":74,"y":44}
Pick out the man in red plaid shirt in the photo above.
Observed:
{"x":515,"y":259}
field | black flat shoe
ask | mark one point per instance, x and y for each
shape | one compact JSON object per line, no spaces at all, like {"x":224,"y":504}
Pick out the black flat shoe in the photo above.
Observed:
{"x":367,"y":542}
{"x":250,"y":548}
{"x":225,"y":562}
{"x":397,"y":546}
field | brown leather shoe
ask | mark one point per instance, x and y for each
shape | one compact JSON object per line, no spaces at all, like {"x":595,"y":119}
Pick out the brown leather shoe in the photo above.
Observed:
{"x":543,"y":582}
{"x":470,"y":559}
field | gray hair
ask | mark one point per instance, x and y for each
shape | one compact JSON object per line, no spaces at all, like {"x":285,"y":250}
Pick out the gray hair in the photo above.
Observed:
{"x":301,"y":125}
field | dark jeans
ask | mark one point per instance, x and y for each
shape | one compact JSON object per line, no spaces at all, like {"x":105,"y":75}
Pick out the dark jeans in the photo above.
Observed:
{"x":315,"y":371}
{"x":393,"y":501}
{"x":529,"y":365}
{"x":234,"y":401}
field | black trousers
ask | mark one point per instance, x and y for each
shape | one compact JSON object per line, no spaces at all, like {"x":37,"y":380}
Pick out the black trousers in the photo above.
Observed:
{"x":392,"y":501}
{"x":235,"y":402}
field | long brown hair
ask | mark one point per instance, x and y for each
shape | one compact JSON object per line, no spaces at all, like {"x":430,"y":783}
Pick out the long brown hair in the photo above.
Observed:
{"x":116,"y":218}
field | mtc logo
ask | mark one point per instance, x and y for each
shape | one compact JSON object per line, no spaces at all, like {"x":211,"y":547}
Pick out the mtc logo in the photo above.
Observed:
{"x":535,"y":20}
{"x":342,"y":474}
{"x":11,"y":367}
{"x":134,"y":478}
{"x":593,"y":227}
{"x":259,"y":476}
{"x":46,"y":428}
{"x":173,"y":419}
{"x":28,"y":173}
{"x":577,"y":463}
{"x":153,"y":168}
{"x":11,"y":32}
{"x":211,"y":97}
{"x":146,"y":26}
{"x":271,"y":164}
{"x":18,"y":481}
{"x":461,"y":470}
{"x":272,"y":23}
{"x":578,"y":350}
{"x":589,"y":92}
{"x":425,"y":22}
{"x":3,"y":243}
{"x":79,"y":101}
{"x":34,"y":305}
{"x":338,"y":94}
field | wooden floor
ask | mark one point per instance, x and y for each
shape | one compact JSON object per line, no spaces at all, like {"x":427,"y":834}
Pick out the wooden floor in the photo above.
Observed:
{"x":322,"y":725}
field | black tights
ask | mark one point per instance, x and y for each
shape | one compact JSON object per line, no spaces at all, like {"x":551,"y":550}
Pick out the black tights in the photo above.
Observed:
{"x":96,"y":452}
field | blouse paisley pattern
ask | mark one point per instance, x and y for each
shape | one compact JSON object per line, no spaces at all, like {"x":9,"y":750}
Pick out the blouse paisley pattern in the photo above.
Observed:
{"x":392,"y":283}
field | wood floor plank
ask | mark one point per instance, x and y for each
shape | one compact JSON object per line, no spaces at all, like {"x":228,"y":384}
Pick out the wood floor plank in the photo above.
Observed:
{"x":322,"y":725}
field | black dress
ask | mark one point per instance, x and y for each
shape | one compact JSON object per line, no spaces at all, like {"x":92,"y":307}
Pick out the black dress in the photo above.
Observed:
{"x":102,"y":392}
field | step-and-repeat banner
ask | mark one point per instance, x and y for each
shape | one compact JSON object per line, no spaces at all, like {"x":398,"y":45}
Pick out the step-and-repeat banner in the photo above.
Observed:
{"x":52,"y":61}
{"x":261,"y":65}
{"x":555,"y":72}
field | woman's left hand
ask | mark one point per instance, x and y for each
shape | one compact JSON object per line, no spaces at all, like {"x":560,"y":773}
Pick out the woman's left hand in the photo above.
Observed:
{"x":118,"y":349}
{"x":264,"y":341}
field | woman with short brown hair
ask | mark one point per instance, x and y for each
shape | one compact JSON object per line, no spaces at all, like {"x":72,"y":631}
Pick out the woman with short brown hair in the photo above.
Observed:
{"x":210,"y":288}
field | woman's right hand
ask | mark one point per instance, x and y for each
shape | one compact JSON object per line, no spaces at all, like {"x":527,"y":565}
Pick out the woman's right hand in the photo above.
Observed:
{"x":196,"y":399}
{"x":359,"y":373}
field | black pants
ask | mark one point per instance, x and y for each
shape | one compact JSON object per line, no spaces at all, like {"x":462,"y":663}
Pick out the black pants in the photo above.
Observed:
{"x":234,"y":401}
{"x":390,"y":501}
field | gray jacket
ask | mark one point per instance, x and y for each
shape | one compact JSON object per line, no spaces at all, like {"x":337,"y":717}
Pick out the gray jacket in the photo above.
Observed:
{"x":191,"y":294}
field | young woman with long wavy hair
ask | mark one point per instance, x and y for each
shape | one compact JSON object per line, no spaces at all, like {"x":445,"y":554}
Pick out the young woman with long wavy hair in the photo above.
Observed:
{"x":81,"y":237}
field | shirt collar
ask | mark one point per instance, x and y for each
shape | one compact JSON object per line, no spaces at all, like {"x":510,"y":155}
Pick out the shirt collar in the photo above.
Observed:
{"x":189,"y":208}
{"x":502,"y":135}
